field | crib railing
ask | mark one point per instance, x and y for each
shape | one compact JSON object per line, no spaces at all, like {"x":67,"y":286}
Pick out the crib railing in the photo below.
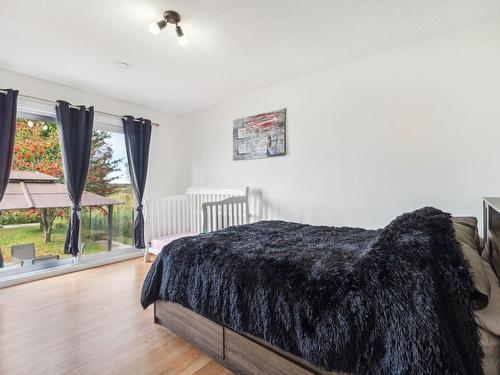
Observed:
{"x":166,"y":216}
{"x":182,"y":213}
{"x":224,"y":213}
{"x":197,"y":196}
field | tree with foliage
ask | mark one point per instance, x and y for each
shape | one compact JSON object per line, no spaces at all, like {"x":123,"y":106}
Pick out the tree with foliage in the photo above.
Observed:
{"x":37,"y":148}
{"x":102,"y":166}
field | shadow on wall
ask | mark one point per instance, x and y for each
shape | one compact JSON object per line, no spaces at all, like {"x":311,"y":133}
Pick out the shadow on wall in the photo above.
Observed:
{"x":261,"y":209}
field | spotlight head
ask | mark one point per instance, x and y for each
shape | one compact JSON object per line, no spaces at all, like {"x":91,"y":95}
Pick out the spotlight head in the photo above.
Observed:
{"x":178,"y":31}
{"x":156,"y":27}
{"x":181,"y":38}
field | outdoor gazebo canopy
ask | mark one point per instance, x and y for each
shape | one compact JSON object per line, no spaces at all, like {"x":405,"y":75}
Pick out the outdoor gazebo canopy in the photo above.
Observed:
{"x":37,"y":190}
{"x":27,"y":190}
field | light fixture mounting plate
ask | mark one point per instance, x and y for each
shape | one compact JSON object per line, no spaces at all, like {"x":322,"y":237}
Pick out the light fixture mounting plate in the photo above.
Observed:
{"x":171,"y":16}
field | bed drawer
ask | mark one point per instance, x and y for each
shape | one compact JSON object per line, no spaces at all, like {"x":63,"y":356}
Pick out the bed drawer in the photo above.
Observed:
{"x":251,"y":358}
{"x":196,"y":329}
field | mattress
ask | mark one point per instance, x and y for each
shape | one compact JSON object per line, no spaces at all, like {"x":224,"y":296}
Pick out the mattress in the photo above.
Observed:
{"x":160,"y":242}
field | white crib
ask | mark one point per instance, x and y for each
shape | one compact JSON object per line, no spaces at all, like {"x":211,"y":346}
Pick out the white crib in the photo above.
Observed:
{"x":180,"y":215}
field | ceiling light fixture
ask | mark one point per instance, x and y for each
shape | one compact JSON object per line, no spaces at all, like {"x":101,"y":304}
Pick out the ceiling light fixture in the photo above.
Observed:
{"x":174,"y":18}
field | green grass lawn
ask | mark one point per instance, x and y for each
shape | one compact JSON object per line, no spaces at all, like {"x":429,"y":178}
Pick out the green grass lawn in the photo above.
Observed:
{"x":94,"y":229}
{"x":13,"y":236}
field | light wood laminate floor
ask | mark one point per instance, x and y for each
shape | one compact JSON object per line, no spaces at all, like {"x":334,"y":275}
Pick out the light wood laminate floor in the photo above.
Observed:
{"x":91,"y":322}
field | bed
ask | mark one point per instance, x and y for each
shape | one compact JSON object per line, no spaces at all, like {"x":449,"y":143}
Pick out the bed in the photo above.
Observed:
{"x":277,"y":297}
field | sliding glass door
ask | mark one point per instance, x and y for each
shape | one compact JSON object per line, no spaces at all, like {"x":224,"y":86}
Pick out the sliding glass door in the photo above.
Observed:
{"x":34,"y":211}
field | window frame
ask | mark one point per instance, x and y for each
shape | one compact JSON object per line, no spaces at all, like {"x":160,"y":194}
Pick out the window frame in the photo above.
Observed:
{"x":18,"y":275}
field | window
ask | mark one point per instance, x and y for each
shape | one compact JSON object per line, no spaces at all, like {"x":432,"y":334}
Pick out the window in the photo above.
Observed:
{"x":108,"y":191}
{"x":36,"y":149}
{"x":108,"y":177}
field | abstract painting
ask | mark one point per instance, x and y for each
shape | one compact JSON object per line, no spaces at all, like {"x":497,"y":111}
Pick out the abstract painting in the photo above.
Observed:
{"x":260,"y":136}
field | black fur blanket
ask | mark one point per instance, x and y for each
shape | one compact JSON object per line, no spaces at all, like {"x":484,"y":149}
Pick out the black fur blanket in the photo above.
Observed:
{"x":390,"y":301}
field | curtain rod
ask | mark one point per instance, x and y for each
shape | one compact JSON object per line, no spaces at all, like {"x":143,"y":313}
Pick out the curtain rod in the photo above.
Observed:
{"x":54,"y":103}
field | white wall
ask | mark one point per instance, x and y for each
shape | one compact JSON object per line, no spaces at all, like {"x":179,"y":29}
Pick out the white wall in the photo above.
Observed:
{"x":166,"y":174}
{"x":413,"y":126}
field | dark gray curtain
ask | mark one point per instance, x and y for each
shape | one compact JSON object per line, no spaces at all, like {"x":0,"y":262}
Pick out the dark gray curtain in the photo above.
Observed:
{"x":75,"y":125}
{"x":8,"y":111}
{"x":137,"y":140}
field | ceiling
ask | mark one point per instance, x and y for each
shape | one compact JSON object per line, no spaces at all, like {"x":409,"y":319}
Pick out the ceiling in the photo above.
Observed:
{"x":235,"y":45}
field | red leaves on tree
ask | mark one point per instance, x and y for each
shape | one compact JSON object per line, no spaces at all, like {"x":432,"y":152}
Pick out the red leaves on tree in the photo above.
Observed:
{"x":36,"y":149}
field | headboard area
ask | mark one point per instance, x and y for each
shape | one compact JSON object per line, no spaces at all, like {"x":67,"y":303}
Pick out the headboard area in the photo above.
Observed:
{"x":224,"y":213}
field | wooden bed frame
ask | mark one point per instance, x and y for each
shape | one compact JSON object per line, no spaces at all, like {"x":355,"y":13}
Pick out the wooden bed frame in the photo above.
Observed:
{"x":243,"y":354}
